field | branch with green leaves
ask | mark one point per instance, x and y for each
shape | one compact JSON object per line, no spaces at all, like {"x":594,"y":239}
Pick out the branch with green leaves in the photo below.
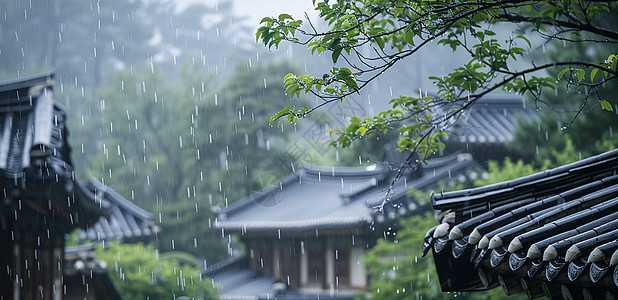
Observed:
{"x":366,"y":38}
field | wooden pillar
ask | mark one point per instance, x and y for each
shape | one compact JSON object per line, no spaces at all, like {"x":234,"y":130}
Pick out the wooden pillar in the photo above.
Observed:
{"x":304,"y":265}
{"x":58,"y":267}
{"x":329,"y":261}
{"x":18,"y":280}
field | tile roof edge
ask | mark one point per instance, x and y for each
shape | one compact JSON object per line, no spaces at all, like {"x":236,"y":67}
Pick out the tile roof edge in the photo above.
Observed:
{"x":287,"y":226}
{"x":521,"y":180}
{"x":222,"y":265}
{"x":112,"y":196}
{"x":26,"y":81}
{"x":374,"y":169}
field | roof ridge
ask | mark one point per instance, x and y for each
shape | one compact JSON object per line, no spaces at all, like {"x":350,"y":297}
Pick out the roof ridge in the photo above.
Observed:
{"x":344,"y":171}
{"x":111,"y":195}
{"x":255,"y":197}
{"x":525,"y":179}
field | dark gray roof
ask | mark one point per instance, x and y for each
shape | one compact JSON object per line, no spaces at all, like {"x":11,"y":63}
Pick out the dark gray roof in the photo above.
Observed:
{"x":32,"y":129}
{"x":236,"y":280}
{"x":551,"y":233}
{"x":491,"y":120}
{"x":126,"y":221}
{"x":35,"y":155}
{"x":336,"y":197}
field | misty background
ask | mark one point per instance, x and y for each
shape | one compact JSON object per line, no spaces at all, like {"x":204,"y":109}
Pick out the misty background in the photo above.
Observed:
{"x":168,"y":102}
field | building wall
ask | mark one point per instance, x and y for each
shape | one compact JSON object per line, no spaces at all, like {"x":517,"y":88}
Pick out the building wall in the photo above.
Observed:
{"x":316,"y":264}
{"x":358,"y":277}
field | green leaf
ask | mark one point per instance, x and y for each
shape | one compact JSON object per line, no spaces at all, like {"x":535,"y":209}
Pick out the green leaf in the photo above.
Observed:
{"x":336,"y":54}
{"x":606,"y":105}
{"x":593,"y":73}
{"x":362,"y":130}
{"x":380,"y":42}
{"x":525,"y":39}
{"x":561,"y":74}
{"x":266,"y":20}
{"x":283,"y":17}
{"x":580,"y":73}
{"x":409,"y":37}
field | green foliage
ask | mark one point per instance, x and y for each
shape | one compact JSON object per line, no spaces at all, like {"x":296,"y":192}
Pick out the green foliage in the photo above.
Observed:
{"x":368,"y":37}
{"x":507,"y":170}
{"x":139,"y":272}
{"x":396,"y":268}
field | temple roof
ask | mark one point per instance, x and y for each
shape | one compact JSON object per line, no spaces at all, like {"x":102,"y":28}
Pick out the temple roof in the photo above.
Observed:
{"x":339,"y":198}
{"x":32,"y":129}
{"x":491,"y":120}
{"x":35,"y":163}
{"x":235,"y":280}
{"x":552,"y":233}
{"x":126,"y":221}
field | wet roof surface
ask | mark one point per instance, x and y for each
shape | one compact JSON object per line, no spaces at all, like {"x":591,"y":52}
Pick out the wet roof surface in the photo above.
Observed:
{"x":552,"y":233}
{"x":334,"y":197}
{"x":491,"y":120}
{"x":126,"y":221}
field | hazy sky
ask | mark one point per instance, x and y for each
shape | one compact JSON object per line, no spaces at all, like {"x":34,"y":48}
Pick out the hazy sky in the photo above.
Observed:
{"x":255,"y":10}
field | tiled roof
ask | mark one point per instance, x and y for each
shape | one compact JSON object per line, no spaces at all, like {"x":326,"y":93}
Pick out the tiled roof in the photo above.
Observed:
{"x":491,"y":120}
{"x":237,"y":281}
{"x":553,"y":233}
{"x":126,"y":221}
{"x":32,"y":129}
{"x":35,"y":158}
{"x":317,"y":198}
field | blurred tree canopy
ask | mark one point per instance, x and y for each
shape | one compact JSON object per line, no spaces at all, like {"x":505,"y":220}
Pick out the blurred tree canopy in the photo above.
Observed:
{"x":366,"y":38}
{"x":164,"y":106}
{"x":139,"y":272}
{"x":187,"y":145}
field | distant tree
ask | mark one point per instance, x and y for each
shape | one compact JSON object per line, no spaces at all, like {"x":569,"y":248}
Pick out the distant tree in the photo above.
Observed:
{"x":139,"y":272}
{"x":181,"y":147}
{"x":237,"y":137}
{"x":396,"y":268}
{"x":367,"y":38}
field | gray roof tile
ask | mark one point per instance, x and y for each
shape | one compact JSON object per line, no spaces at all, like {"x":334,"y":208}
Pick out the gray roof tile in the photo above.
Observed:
{"x":126,"y":221}
{"x":34,"y":151}
{"x":491,"y":120}
{"x":333,"y":197}
{"x":547,"y":229}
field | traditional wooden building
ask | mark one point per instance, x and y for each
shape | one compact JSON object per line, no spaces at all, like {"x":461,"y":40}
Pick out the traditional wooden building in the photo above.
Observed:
{"x":550,"y":234}
{"x":305,"y":236}
{"x":40,"y":201}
